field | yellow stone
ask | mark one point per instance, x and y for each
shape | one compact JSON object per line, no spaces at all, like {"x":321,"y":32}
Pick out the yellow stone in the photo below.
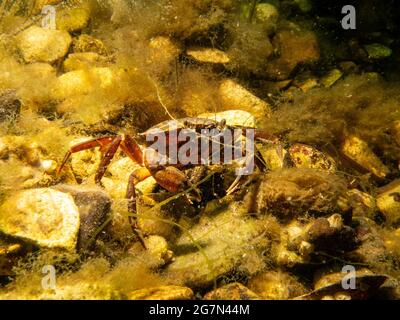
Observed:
{"x":235,"y":96}
{"x":208,"y":55}
{"x":358,"y":150}
{"x":162,"y":293}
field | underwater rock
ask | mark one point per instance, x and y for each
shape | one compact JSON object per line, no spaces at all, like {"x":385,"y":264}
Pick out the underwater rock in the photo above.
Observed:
{"x":295,"y":48}
{"x":328,"y":285}
{"x":267,"y":14}
{"x":10,"y":105}
{"x":330,"y":234}
{"x":304,"y":156}
{"x":87,"y":43}
{"x":94,"y":207}
{"x":208,"y":55}
{"x":331,"y":78}
{"x":296,"y":192}
{"x":43,"y":45}
{"x":44,"y":217}
{"x":388,"y":201}
{"x":358,"y":151}
{"x":81,"y":82}
{"x":235,"y":96}
{"x":276,"y":285}
{"x":72,"y":19}
{"x":378,"y":51}
{"x":232,"y":291}
{"x":228,"y":240}
{"x":156,"y":247}
{"x":162,"y":293}
{"x":232,"y":117}
{"x":84,"y":60}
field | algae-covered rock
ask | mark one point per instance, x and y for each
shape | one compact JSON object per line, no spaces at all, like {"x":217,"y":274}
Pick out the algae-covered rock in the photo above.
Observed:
{"x":378,"y":51}
{"x":358,"y":151}
{"x":267,"y":14}
{"x":72,"y":18}
{"x":208,"y":55}
{"x":292,"y":192}
{"x":228,"y":241}
{"x":156,"y":247}
{"x":44,"y":217}
{"x":81,"y":82}
{"x":43,"y":45}
{"x":276,"y":285}
{"x":232,"y":291}
{"x":84,"y":60}
{"x":87,"y":43}
{"x":162,"y":293}
{"x":295,"y":48}
{"x":235,"y":96}
{"x":331,"y":77}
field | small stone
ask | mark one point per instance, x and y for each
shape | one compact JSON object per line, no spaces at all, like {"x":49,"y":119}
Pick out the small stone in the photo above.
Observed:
{"x":162,"y":293}
{"x":94,"y":207}
{"x":10,"y":105}
{"x":235,"y":96}
{"x":358,"y":151}
{"x":72,"y":19}
{"x":83,"y":60}
{"x":276,"y":285}
{"x":388,"y":201}
{"x":378,"y":51}
{"x":331,"y":78}
{"x":308,"y":84}
{"x":304,"y":156}
{"x":267,"y":14}
{"x":43,"y":45}
{"x":81,"y":82}
{"x":232,"y":118}
{"x":208,"y":55}
{"x":232,"y":291}
{"x":44,"y":217}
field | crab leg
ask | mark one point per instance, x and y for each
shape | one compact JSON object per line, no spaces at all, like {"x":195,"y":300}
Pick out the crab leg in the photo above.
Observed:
{"x":109,"y":154}
{"x":136,"y":176}
{"x":99,"y":142}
